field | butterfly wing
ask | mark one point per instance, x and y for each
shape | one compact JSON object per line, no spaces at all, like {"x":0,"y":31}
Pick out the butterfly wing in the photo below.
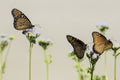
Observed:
{"x":21,"y":22}
{"x":98,"y":40}
{"x":108,"y":45}
{"x":100,"y":43}
{"x":78,"y":45}
{"x":16,"y":13}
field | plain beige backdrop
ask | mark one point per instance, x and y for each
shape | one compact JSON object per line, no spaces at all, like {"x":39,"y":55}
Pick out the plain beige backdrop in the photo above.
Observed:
{"x":57,"y":19}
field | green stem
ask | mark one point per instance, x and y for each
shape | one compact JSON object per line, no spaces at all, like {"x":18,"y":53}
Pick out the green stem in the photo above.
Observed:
{"x":1,"y":73}
{"x":1,"y":64}
{"x":7,"y":52}
{"x":115,"y":60}
{"x":92,"y":70}
{"x":105,"y":61}
{"x":47,"y":65}
{"x":47,"y":71}
{"x":30,"y":59}
{"x":105,"y":65}
{"x":91,"y":67}
{"x":79,"y":73}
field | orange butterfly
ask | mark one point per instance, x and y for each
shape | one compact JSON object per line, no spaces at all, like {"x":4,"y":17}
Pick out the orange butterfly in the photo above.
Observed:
{"x":78,"y":45}
{"x":100,"y":43}
{"x":21,"y":22}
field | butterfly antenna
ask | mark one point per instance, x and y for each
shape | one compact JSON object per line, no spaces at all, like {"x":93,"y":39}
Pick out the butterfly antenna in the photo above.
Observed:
{"x":116,"y":43}
{"x":38,"y":25}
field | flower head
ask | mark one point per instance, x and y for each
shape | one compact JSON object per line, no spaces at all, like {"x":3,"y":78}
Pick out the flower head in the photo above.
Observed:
{"x":102,"y":27}
{"x":31,"y":34}
{"x":93,"y":57}
{"x":31,"y":30}
{"x":11,"y":37}
{"x":90,"y":54}
{"x":44,"y":43}
{"x":4,"y":41}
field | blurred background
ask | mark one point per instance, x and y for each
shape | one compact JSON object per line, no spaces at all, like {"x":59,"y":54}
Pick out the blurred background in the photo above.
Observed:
{"x":58,"y":18}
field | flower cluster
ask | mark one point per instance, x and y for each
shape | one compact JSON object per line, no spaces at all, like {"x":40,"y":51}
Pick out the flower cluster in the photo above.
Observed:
{"x":4,"y":42}
{"x":93,"y":57}
{"x":44,"y":44}
{"x":31,"y":34}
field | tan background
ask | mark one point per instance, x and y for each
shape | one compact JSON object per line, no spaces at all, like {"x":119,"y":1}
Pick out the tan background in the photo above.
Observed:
{"x":58,"y":18}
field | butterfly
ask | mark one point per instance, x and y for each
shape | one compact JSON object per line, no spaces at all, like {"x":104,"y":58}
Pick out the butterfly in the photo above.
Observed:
{"x":21,"y":22}
{"x":100,"y":43}
{"x":78,"y":45}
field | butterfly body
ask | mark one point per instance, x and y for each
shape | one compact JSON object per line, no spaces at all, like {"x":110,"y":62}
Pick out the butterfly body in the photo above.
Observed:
{"x":78,"y":45}
{"x":100,"y":43}
{"x":21,"y":22}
